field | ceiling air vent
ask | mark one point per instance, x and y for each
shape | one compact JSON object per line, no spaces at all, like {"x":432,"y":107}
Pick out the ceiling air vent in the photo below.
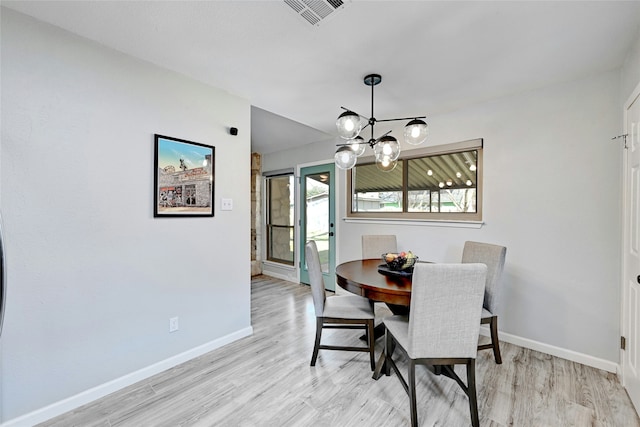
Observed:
{"x":315,"y":11}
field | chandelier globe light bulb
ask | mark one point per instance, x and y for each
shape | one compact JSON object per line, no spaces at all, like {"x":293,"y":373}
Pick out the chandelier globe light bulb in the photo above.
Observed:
{"x":387,"y":146}
{"x":416,"y":132}
{"x":386,"y":164}
{"x":345,"y":158}
{"x":358,"y":145}
{"x":349,"y":125}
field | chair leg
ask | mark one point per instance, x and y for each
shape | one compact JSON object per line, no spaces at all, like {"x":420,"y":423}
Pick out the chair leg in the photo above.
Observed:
{"x":316,"y":347}
{"x":388,"y":352}
{"x":372,"y":341}
{"x":493,"y":326}
{"x":412,"y":393}
{"x":471,"y":392}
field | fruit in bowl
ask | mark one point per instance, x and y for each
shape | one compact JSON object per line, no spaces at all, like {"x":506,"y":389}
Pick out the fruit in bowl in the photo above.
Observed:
{"x":399,"y":261}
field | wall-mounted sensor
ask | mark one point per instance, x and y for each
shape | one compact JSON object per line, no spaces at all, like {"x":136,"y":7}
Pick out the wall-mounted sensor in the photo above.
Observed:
{"x":233,"y":131}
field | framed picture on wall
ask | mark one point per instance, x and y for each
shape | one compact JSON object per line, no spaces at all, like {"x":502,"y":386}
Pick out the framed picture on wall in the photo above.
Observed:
{"x":184,"y":178}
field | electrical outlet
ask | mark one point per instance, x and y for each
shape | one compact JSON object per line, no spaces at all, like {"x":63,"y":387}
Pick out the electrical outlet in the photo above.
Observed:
{"x":226,"y":205}
{"x":173,"y":324}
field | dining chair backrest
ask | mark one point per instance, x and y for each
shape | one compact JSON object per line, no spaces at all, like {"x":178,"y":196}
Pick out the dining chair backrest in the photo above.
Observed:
{"x":493,"y":257}
{"x":374,"y":245}
{"x":446,"y":305}
{"x":315,"y":277}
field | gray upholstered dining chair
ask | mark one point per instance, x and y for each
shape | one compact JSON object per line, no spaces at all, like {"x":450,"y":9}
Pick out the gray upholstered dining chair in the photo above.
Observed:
{"x":493,"y":257}
{"x":442,"y":327}
{"x":338,"y":311}
{"x":374,"y":245}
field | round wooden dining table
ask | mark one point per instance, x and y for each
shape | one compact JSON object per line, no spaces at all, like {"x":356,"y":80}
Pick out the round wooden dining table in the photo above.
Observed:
{"x":362,"y":277}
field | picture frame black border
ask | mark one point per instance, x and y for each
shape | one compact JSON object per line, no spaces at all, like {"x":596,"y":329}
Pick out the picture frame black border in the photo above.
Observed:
{"x":156,"y":189}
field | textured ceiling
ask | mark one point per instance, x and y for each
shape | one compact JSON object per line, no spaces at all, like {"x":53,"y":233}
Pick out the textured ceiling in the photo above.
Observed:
{"x":433,"y":56}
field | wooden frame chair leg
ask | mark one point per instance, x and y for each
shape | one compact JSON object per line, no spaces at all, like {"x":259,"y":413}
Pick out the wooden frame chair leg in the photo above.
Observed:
{"x":493,"y":327}
{"x":471,"y":392}
{"x":388,"y":352}
{"x":316,"y":347}
{"x":372,"y":342}
{"x":495,"y":343}
{"x":412,"y":393}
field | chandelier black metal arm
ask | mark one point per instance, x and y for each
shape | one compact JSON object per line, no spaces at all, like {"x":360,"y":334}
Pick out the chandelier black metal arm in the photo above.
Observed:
{"x":372,"y":120}
{"x":403,"y":118}
{"x":371,"y":142}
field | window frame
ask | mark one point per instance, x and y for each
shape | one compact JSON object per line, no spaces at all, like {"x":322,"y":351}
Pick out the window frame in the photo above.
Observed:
{"x":405,"y":156}
{"x":267,"y":217}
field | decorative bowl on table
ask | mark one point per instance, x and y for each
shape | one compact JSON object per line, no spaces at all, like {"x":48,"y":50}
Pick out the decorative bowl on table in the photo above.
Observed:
{"x":399,"y":262}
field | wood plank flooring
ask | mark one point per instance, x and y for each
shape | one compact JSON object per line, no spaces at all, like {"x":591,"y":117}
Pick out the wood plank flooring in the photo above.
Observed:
{"x":266,"y":380}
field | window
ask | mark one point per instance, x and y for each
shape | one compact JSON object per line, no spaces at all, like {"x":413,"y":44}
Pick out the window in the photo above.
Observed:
{"x":280,"y":218}
{"x":436,"y":183}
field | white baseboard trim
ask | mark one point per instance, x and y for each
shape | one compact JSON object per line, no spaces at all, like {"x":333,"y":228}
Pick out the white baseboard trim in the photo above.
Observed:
{"x":277,"y":275}
{"x":564,"y":353}
{"x":280,"y":273}
{"x":70,"y":403}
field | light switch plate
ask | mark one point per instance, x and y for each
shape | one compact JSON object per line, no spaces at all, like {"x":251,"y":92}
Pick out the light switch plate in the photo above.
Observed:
{"x":227,"y":205}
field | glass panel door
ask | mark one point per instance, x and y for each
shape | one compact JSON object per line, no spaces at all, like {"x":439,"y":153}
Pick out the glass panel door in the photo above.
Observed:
{"x":317,"y":219}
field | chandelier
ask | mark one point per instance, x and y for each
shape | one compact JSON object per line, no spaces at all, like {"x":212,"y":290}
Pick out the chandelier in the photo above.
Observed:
{"x":386,"y":147}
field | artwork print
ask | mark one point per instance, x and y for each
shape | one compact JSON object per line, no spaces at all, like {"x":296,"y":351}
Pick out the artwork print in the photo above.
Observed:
{"x":184,"y":178}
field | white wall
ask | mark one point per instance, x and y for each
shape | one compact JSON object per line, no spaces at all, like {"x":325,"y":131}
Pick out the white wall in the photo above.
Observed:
{"x":631,"y":70}
{"x":93,"y":278}
{"x":551,"y":195}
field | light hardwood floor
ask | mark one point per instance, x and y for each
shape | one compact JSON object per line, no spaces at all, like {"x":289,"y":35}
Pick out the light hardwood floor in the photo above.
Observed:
{"x":266,"y":380}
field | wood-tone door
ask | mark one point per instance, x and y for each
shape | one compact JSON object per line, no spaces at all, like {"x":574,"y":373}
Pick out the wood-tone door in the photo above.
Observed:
{"x":631,"y":274}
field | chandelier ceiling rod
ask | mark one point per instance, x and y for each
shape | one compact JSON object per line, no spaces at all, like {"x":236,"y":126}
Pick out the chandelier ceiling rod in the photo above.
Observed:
{"x":372,"y":80}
